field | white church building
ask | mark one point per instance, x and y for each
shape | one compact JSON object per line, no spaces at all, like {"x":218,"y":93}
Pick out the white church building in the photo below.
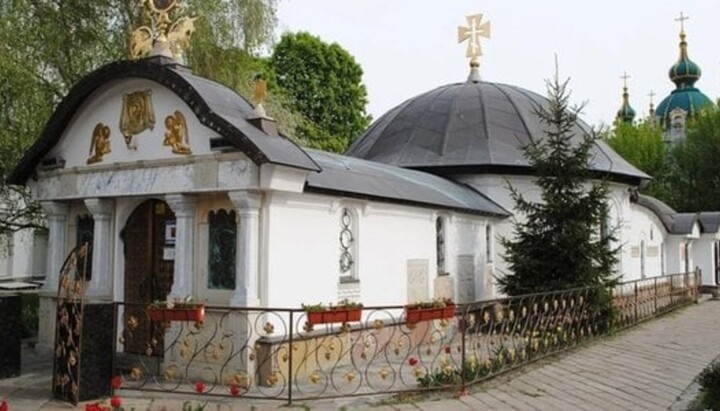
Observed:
{"x":184,"y":189}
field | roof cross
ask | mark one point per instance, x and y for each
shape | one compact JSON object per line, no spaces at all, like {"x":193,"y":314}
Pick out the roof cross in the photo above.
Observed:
{"x":682,"y":20}
{"x":472,"y":33}
{"x":624,"y":77}
{"x":651,"y":95}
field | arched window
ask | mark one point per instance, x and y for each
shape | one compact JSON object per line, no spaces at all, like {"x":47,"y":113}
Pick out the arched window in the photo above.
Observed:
{"x":348,"y":245}
{"x":222,"y":246}
{"x":85,"y":233}
{"x":440,"y":245}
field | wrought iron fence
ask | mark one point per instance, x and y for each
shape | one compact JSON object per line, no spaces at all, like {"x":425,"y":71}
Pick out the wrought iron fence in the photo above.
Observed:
{"x":276,"y":354}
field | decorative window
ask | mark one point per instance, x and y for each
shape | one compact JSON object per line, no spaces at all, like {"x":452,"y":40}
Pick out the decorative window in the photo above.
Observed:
{"x":488,"y":243}
{"x":440,"y":245}
{"x":222,"y":244}
{"x":84,"y":233}
{"x":347,"y":244}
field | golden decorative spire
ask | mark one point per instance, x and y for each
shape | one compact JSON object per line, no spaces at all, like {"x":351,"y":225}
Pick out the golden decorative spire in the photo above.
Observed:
{"x":475,"y":30}
{"x":163,"y":37}
{"x":259,"y":96}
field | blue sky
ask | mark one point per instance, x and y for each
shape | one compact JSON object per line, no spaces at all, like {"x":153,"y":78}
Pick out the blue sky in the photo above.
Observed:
{"x":407,"y":47}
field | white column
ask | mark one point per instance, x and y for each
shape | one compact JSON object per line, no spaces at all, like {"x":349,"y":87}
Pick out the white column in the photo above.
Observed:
{"x":247,"y":208}
{"x":57,"y":215}
{"x":101,"y":281}
{"x":184,"y":208}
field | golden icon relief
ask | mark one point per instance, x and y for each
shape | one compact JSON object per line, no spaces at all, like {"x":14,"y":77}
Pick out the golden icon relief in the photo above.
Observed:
{"x":99,"y":144}
{"x":137,"y":116}
{"x":176,"y":133}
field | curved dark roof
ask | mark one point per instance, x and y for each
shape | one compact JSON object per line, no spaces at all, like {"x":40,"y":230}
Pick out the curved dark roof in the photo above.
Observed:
{"x":353,"y":177}
{"x":470,"y":127}
{"x":675,"y":223}
{"x":216,"y":106}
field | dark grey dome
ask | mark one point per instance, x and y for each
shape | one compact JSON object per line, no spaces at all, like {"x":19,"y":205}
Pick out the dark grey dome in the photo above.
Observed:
{"x":469,"y":128}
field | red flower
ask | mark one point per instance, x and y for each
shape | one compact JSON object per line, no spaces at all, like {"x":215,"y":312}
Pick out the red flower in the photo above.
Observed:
{"x":116,"y":382}
{"x":412,"y":361}
{"x":93,"y":407}
{"x":3,"y":406}
{"x":115,"y":401}
{"x":234,"y":390}
{"x":199,"y":387}
{"x":447,"y":350}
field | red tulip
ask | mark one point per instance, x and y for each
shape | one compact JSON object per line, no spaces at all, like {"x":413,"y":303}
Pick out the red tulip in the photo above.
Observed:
{"x":199,"y":387}
{"x":234,"y":390}
{"x":412,"y":361}
{"x":3,"y":406}
{"x":115,"y":401}
{"x":116,"y":382}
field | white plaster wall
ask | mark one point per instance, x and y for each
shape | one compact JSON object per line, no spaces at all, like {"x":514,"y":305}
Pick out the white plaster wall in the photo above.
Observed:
{"x":643,"y":227}
{"x":703,"y":255}
{"x":631,"y":222}
{"x":105,"y":106}
{"x":300,"y":263}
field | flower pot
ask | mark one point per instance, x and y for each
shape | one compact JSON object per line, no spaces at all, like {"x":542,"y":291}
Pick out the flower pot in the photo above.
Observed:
{"x":195,"y":313}
{"x":415,"y":315}
{"x":334,"y":315}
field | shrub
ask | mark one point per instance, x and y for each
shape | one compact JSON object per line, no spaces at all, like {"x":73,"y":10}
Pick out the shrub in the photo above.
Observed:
{"x":710,"y":388}
{"x":29,"y":314}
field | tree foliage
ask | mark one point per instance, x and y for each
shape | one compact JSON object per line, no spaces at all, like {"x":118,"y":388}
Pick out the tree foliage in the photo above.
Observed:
{"x":693,"y":179}
{"x":641,"y":144}
{"x":557,"y":245}
{"x":324,"y":84}
{"x":48,"y":46}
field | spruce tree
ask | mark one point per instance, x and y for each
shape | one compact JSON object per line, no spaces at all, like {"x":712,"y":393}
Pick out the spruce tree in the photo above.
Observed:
{"x":557,"y":242}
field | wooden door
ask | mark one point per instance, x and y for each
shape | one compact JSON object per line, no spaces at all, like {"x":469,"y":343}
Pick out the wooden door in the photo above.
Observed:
{"x":148,"y":275}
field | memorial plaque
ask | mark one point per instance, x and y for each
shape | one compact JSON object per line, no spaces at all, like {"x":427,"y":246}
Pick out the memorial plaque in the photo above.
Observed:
{"x":635,"y":252}
{"x":653,"y":251}
{"x":417,"y":280}
{"x":466,"y":278}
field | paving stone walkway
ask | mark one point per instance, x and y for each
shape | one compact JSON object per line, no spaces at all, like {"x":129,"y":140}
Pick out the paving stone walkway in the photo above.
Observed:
{"x":645,"y":368}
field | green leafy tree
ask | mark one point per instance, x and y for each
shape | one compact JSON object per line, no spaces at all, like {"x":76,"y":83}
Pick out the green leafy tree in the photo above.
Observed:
{"x":641,"y":144}
{"x":557,"y":245}
{"x":324,"y":84}
{"x":693,"y":178}
{"x":48,"y":46}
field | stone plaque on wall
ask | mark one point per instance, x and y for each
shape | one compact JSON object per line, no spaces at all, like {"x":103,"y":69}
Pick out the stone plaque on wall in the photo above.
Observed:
{"x":635,"y":252}
{"x":653,"y":251}
{"x":466,"y":278}
{"x":417,"y":280}
{"x":444,"y":287}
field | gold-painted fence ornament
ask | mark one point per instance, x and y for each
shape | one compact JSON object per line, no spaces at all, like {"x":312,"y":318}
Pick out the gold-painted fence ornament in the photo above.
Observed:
{"x":163,"y":36}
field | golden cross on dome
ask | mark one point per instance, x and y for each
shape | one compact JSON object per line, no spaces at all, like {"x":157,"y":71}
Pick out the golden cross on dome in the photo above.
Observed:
{"x":472,"y":33}
{"x":162,"y":36}
{"x":682,"y":20}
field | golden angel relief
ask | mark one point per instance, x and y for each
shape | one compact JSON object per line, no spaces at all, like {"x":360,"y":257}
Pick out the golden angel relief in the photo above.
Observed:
{"x":99,"y":144}
{"x":137,"y":116}
{"x":176,"y":133}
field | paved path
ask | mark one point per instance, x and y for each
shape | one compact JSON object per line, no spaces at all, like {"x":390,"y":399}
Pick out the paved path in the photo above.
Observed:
{"x":645,"y":368}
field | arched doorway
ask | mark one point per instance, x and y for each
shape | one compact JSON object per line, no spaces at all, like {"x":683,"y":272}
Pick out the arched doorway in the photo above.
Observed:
{"x":149,"y":243}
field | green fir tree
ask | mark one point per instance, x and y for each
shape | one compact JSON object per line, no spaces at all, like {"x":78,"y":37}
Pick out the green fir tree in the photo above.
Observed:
{"x":557,"y":243}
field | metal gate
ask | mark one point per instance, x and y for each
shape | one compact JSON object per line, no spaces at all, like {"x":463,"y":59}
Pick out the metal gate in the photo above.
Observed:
{"x":68,"y":326}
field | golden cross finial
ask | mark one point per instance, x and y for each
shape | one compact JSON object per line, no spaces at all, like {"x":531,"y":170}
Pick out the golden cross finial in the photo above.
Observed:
{"x":472,"y":33}
{"x":624,"y":77}
{"x":682,"y":19}
{"x":260,"y":93}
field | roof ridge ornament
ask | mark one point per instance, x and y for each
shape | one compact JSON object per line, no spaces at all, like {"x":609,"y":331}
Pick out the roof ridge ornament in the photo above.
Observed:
{"x":475,"y":30}
{"x":163,"y":37}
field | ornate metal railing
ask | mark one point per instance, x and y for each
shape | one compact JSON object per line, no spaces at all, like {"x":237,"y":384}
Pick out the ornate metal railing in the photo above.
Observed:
{"x":275,"y":354}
